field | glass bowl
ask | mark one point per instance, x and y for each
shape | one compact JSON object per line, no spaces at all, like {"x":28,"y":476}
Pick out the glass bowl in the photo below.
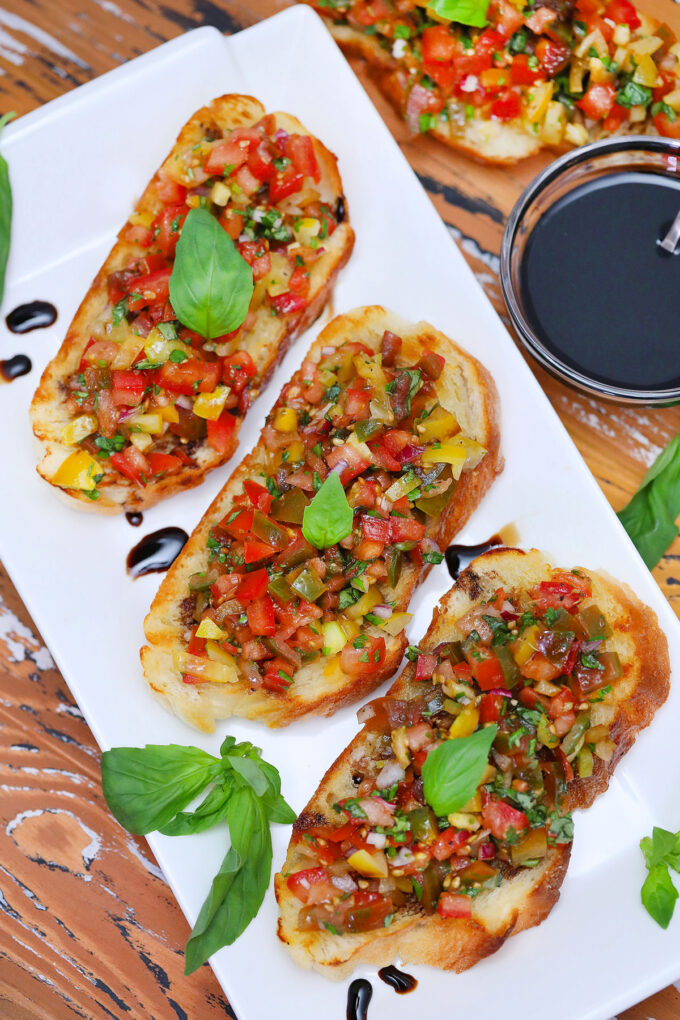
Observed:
{"x":646,"y":153}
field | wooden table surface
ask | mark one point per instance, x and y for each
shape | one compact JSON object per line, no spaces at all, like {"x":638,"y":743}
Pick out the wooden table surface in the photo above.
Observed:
{"x":90,"y":928}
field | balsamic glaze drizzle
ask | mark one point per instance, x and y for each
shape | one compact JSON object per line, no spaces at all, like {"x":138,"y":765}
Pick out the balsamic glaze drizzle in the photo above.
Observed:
{"x":12,"y":368}
{"x":156,"y":552}
{"x":134,"y":517}
{"x":359,"y":994}
{"x":32,"y":315}
{"x":397,"y":979}
{"x":456,"y":553}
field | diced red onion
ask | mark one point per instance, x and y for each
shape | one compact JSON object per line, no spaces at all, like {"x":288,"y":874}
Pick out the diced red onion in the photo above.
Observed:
{"x":591,"y":646}
{"x":377,"y":810}
{"x":403,"y":856}
{"x":486,"y":851}
{"x":410,"y":452}
{"x":377,"y":839}
{"x":501,"y":691}
{"x":185,"y":401}
{"x":382,"y":612}
{"x":280,"y":136}
{"x":127,"y":413}
{"x":390,"y":773}
{"x":345,"y":883}
{"x":492,"y":611}
{"x":341,"y":466}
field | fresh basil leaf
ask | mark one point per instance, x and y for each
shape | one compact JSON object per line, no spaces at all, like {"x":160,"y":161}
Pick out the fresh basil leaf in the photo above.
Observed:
{"x":465,"y":12}
{"x":659,"y":894}
{"x":229,"y":742}
{"x":650,"y":516}
{"x":663,"y":846}
{"x":211,"y":284}
{"x":633,"y":94}
{"x":238,"y":888}
{"x":277,"y":808}
{"x":209,"y":812}
{"x":146,"y":786}
{"x":453,"y":770}
{"x":5,"y":211}
{"x":329,"y":517}
{"x":250,"y":772}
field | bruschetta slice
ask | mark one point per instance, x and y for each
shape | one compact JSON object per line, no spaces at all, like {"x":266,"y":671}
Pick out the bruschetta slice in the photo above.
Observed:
{"x":552,"y":75}
{"x":262,"y":616}
{"x":568,"y":666}
{"x":134,"y":406}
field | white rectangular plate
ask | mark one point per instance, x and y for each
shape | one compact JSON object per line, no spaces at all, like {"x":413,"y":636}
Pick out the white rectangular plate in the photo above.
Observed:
{"x":599,"y":951}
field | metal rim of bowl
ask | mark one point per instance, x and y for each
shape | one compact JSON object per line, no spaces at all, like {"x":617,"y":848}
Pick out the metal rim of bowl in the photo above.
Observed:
{"x":531,"y":342}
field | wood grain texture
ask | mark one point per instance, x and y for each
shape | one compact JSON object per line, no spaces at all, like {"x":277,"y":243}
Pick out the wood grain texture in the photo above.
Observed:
{"x":89,"y":928}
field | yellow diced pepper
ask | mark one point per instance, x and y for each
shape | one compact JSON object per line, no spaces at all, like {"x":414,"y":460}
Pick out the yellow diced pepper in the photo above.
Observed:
{"x":220,"y":193}
{"x":647,"y":45}
{"x":169,"y":413}
{"x":286,"y":419}
{"x":306,"y":229}
{"x":552,"y":129}
{"x":193,"y":201}
{"x":539,"y":100}
{"x":371,"y":369}
{"x":464,"y":820}
{"x":524,"y":647}
{"x":223,"y":671}
{"x":370,"y":865}
{"x":451,"y":452}
{"x":78,"y":429}
{"x":207,"y":628}
{"x":151,"y":422}
{"x":296,"y":452}
{"x":144,"y":219}
{"x":365,"y":604}
{"x":441,"y":424}
{"x":78,"y":471}
{"x":622,"y":35}
{"x":672,"y":99}
{"x":334,"y":637}
{"x":396,"y":623}
{"x":211,"y":405}
{"x":576,"y":134}
{"x":465,"y":724}
{"x":645,"y":72}
{"x":141,"y":440}
{"x":474,"y":804}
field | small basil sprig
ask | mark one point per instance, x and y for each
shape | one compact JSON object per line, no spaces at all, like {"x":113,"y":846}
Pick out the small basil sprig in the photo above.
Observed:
{"x":650,"y":516}
{"x":329,"y":517}
{"x":453,"y":770}
{"x":211,"y":284}
{"x":5,"y":211}
{"x":147,"y":789}
{"x":658,"y":893}
{"x":465,"y":12}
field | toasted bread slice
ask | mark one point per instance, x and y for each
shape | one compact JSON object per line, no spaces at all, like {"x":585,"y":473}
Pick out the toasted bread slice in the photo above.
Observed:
{"x":321,"y":687}
{"x":265,"y":336}
{"x":524,"y":896}
{"x":489,"y":139}
{"x":637,"y":639}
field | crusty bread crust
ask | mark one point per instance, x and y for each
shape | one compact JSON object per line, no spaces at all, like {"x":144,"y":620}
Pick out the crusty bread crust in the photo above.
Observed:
{"x":639,"y":641}
{"x":488,"y":141}
{"x":464,"y":387}
{"x":267,"y":341}
{"x":527,"y":897}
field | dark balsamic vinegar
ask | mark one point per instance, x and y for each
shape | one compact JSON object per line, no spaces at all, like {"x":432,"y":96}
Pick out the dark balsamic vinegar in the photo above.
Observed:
{"x":359,"y":994}
{"x":32,"y":315}
{"x":455,"y":554}
{"x":397,"y":979}
{"x":12,"y":368}
{"x":156,"y":552}
{"x":134,"y":517}
{"x":599,"y":291}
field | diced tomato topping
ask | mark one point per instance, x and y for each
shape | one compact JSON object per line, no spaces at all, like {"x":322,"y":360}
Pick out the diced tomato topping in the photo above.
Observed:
{"x":499,"y":817}
{"x":189,"y":377}
{"x":226,"y":154}
{"x":376,"y":528}
{"x":288,"y":303}
{"x":405,"y":529}
{"x":299,"y":282}
{"x":365,"y":659}
{"x":253,"y":586}
{"x":137,"y":234}
{"x":284,"y":183}
{"x":506,"y":17}
{"x":357,"y":405}
{"x":278,"y":675}
{"x":259,"y":497}
{"x":167,"y":227}
{"x":237,"y":369}
{"x":561,"y":703}
{"x":254,"y":550}
{"x":540,"y":668}
{"x":667,"y":127}
{"x":133,"y":464}
{"x":597,"y":103}
{"x":313,"y":885}
{"x":261,"y":161}
{"x":196,"y":645}
{"x":553,"y":56}
{"x":224,"y":588}
{"x":163,"y":462}
{"x":148,"y":289}
{"x":383,"y":457}
{"x":241,"y":524}
{"x":300,"y":149}
{"x":221,"y":432}
{"x":487,"y":672}
{"x":454,"y":905}
{"x":170,"y":192}
{"x":507,"y":106}
{"x":425,"y":665}
{"x":261,"y":618}
{"x":448,"y":842}
{"x":563,"y":592}
{"x":352,"y":457}
{"x":622,"y":12}
{"x":491,"y":708}
{"x":131,"y":382}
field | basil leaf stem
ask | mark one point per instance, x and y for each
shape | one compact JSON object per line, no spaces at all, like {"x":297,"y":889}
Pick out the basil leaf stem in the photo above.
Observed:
{"x":211,"y":284}
{"x":650,"y":516}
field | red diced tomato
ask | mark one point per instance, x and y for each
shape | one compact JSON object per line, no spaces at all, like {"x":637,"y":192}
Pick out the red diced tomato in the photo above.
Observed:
{"x":448,"y":842}
{"x":491,"y":708}
{"x":131,"y":382}
{"x":622,"y":12}
{"x":167,"y":227}
{"x":225,"y":154}
{"x":667,"y":127}
{"x":189,"y":377}
{"x":561,"y":703}
{"x":300,"y":149}
{"x":254,"y":550}
{"x":196,"y":645}
{"x":237,"y":369}
{"x":133,"y":464}
{"x":425,"y":665}
{"x":499,"y":817}
{"x":259,"y":497}
{"x":288,"y":303}
{"x":163,"y":462}
{"x":278,"y":675}
{"x":221,"y":432}
{"x":261,"y":161}
{"x":505,"y":17}
{"x":507,"y":106}
{"x":540,"y":668}
{"x":353,"y":458}
{"x":284,"y":183}
{"x":597,"y":103}
{"x":553,"y":56}
{"x":383,"y":457}
{"x":487,"y":672}
{"x":253,"y":586}
{"x":376,"y":528}
{"x":365,"y":659}
{"x":521,"y":73}
{"x":313,"y":885}
{"x":405,"y":529}
{"x":170,"y":192}
{"x":240,"y":526}
{"x":454,"y":905}
{"x":261,"y":616}
{"x":357,"y":403}
{"x":137,"y":234}
{"x":224,"y":587}
{"x":145,"y":290}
